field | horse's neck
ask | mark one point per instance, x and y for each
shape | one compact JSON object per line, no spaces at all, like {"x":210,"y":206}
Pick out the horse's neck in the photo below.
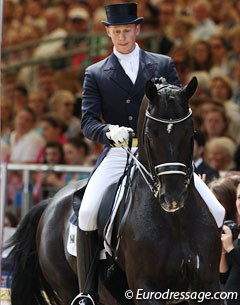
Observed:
{"x":141,"y":119}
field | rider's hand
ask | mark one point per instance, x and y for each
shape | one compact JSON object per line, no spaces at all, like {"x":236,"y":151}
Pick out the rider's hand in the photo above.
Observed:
{"x":119,"y":135}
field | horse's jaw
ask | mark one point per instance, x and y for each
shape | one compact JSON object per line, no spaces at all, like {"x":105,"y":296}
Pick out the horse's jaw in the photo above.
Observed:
{"x":171,"y":207}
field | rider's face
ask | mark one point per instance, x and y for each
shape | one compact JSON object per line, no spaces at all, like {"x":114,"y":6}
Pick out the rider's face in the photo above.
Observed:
{"x":123,"y":36}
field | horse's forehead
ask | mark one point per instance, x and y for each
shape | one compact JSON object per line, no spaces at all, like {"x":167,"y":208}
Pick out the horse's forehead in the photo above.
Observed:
{"x":171,"y":102}
{"x":169,"y":95}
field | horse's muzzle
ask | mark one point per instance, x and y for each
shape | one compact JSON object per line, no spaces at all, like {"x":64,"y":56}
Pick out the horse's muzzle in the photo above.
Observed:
{"x":172,"y":203}
{"x":171,"y":207}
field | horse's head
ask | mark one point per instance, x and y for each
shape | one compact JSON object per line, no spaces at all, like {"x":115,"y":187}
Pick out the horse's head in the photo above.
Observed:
{"x":167,"y":140}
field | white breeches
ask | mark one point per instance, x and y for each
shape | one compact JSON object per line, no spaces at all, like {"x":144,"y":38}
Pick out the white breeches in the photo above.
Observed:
{"x":110,"y":171}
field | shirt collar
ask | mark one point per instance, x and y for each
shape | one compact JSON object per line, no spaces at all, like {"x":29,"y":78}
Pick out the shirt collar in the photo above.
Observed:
{"x":133,"y":55}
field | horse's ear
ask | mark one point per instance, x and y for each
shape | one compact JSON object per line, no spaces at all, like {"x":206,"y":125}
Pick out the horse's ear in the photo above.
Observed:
{"x":190,"y":88}
{"x":150,"y":90}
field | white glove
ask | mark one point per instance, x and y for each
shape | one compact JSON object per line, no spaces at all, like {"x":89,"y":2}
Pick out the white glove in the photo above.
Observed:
{"x":119,"y":135}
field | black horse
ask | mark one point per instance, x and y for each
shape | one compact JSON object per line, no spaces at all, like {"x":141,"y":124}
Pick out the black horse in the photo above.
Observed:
{"x":169,"y":242}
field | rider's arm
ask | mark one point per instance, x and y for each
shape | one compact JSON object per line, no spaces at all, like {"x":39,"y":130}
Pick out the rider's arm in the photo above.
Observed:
{"x":92,"y":125}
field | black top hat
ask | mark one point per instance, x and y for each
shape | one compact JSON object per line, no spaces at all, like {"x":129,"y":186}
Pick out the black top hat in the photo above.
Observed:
{"x":123,"y":13}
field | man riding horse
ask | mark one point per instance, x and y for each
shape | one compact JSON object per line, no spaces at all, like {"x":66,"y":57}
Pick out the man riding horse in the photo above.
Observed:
{"x":113,"y":90}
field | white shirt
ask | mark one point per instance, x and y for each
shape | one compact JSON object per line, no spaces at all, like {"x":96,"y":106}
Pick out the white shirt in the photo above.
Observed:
{"x":26,"y":148}
{"x":129,"y":62}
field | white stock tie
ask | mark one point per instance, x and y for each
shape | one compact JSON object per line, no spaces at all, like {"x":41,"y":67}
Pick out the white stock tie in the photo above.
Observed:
{"x":129,"y":69}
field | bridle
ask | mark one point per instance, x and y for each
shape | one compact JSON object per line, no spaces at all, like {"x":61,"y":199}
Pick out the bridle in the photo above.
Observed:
{"x":153,"y":176}
{"x":165,"y":168}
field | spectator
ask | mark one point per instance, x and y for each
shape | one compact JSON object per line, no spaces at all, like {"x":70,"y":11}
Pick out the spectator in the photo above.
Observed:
{"x":38,"y":103}
{"x":167,"y":16}
{"x":222,"y":91}
{"x":180,"y":31}
{"x":19,"y":15}
{"x":220,"y":154}
{"x":183,"y":62}
{"x":201,"y":56}
{"x":78,"y":26}
{"x":205,"y":26}
{"x":207,"y":105}
{"x":216,"y":11}
{"x":202,"y":107}
{"x":225,"y":191}
{"x":230,"y":259}
{"x":9,"y":7}
{"x":219,"y":51}
{"x":78,"y":23}
{"x":52,"y":129}
{"x":234,"y":176}
{"x":62,"y":103}
{"x":229,"y":16}
{"x":35,"y":15}
{"x":53,"y":154}
{"x":54,"y":29}
{"x":25,"y":146}
{"x":207,"y":173}
{"x":47,"y":81}
{"x":75,"y":152}
{"x":215,"y":123}
{"x":20,"y":98}
{"x":25,"y":143}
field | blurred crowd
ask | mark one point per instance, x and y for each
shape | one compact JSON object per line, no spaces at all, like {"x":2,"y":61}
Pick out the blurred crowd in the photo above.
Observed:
{"x":41,"y":101}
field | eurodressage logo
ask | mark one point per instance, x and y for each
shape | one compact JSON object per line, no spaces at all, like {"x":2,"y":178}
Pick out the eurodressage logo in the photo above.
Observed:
{"x":183,"y":296}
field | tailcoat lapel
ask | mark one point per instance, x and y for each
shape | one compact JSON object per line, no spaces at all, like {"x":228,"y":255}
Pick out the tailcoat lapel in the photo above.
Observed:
{"x":145,"y":73}
{"x":116,"y":73}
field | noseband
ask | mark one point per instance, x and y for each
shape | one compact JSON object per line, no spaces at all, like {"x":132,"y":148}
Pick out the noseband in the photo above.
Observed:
{"x":167,"y":168}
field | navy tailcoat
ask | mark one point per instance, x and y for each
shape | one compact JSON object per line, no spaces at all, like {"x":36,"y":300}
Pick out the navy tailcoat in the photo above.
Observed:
{"x":110,"y":97}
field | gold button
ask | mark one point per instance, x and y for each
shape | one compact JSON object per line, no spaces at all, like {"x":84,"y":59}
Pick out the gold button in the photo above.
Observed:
{"x":128,"y":101}
{"x":130,"y":118}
